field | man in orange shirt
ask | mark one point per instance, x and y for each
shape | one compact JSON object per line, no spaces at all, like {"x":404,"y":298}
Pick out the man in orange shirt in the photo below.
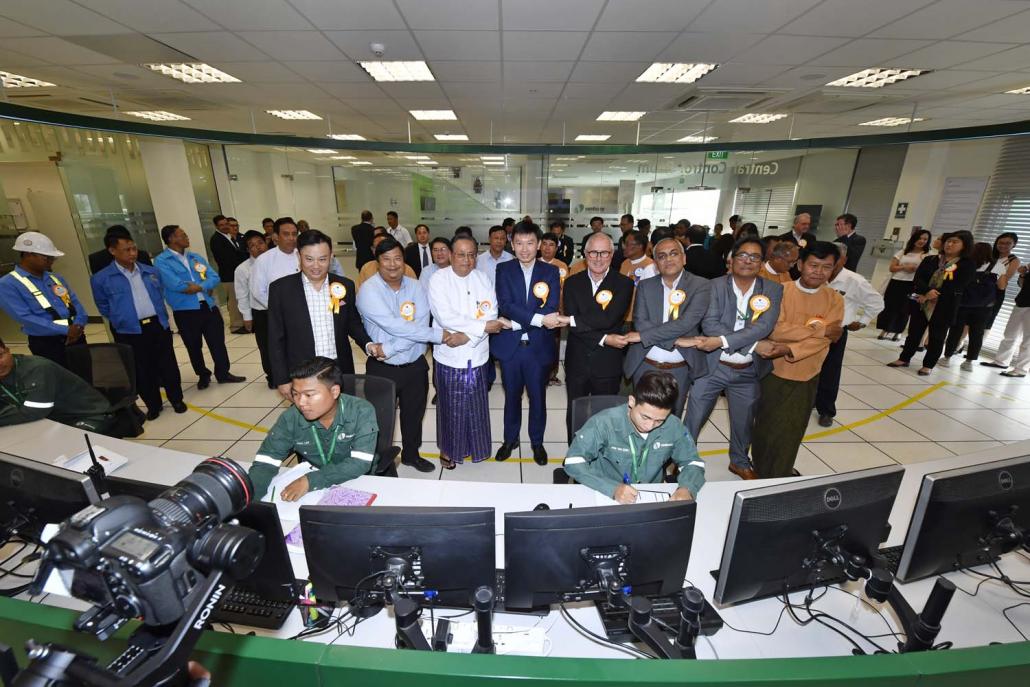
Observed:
{"x":782,"y":257}
{"x":810,"y":320}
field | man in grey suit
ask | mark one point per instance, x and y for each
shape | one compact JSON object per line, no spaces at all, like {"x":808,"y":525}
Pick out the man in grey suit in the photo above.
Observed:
{"x":742,"y":311}
{"x":666,"y":308}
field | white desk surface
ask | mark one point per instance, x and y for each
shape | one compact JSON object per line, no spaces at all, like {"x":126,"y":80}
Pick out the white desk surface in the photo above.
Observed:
{"x":968,"y":622}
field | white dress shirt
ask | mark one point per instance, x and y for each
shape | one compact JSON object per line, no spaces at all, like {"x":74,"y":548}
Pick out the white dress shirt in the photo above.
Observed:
{"x":186,"y":263}
{"x":462,"y":304}
{"x":861,"y":301}
{"x":739,"y":322}
{"x":527,"y":275}
{"x":427,"y":273}
{"x":425,"y":254}
{"x":399,"y":233}
{"x":321,"y":316}
{"x":487,"y":263}
{"x":241,"y":284}
{"x":594,"y":286}
{"x":656,"y":353}
{"x":270,"y":265}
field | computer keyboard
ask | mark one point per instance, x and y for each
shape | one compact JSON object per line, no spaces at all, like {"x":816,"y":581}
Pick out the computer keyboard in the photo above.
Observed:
{"x":663,"y":608}
{"x":892,"y":555}
{"x":244,"y":607}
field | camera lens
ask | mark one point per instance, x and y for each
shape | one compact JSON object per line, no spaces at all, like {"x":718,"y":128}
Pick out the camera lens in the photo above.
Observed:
{"x":217,"y":487}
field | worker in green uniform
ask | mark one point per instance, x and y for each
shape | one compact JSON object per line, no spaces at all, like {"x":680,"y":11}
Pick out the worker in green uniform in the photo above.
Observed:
{"x":630,"y":444}
{"x":334,"y":432}
{"x":33,"y":388}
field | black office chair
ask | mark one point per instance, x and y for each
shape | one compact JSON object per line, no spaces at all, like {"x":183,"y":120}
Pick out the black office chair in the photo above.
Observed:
{"x":583,"y":408}
{"x":382,"y":394}
{"x":110,"y":368}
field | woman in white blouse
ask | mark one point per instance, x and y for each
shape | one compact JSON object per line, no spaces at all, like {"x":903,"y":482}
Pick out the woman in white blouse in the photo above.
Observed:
{"x":897,"y":304}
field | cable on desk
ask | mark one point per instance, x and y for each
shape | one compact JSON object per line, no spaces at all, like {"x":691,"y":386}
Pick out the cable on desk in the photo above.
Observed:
{"x":818,"y":616}
{"x":891,"y":631}
{"x":1005,"y":612}
{"x":598,"y":639}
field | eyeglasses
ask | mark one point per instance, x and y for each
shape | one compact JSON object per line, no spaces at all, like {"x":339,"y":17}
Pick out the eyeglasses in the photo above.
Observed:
{"x":748,"y":257}
{"x":465,"y":255}
{"x":599,"y":254}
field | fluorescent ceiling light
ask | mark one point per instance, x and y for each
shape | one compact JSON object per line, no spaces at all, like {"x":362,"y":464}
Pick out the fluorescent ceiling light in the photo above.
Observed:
{"x":158,"y":116}
{"x":416,"y":157}
{"x":1017,"y":91}
{"x":593,"y":137}
{"x":494,"y":162}
{"x":620,"y":116}
{"x":876,"y":78}
{"x":434,"y":115}
{"x":892,"y":121}
{"x":293,"y":114}
{"x":697,"y":139}
{"x":675,"y":72}
{"x":196,"y":72}
{"x":397,"y":70}
{"x":574,"y":157}
{"x":450,"y":137}
{"x":9,"y":80}
{"x":491,"y":157}
{"x":347,"y":137}
{"x":320,"y":151}
{"x":427,"y":162}
{"x":757,"y":118}
{"x":361,"y":162}
{"x":343,"y":157}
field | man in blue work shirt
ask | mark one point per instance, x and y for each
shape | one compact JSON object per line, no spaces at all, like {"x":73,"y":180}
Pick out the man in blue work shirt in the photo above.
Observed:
{"x":189,"y":286}
{"x":129,"y":295}
{"x":43,"y":303}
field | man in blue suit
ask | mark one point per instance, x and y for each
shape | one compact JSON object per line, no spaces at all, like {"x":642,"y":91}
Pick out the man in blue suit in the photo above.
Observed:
{"x":527,"y":294}
{"x":129,"y":295}
{"x":189,"y":285}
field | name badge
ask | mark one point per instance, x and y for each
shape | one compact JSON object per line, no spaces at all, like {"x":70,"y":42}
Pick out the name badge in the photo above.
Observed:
{"x":408,"y":310}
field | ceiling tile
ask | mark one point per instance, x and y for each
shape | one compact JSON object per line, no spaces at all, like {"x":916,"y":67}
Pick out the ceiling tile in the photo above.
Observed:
{"x":949,"y":53}
{"x":607,"y":72}
{"x":338,"y":71}
{"x":742,"y":16}
{"x":60,"y":17}
{"x":466,"y":71}
{"x":649,"y":15}
{"x":1013,"y":59}
{"x":470,"y":90}
{"x":626,"y":45}
{"x":535,"y":15}
{"x":602,"y":92}
{"x":347,"y":91}
{"x":450,"y":14}
{"x":869,"y":52}
{"x":537,"y":71}
{"x":400,"y":45}
{"x":252,"y":15}
{"x":708,"y":47}
{"x":56,"y":50}
{"x":532,"y":89}
{"x":648,"y":96}
{"x":258,"y":72}
{"x":151,"y":16}
{"x":948,"y":18}
{"x":543,"y":45}
{"x":945,"y":78}
{"x":350,"y":14}
{"x":418,"y":90}
{"x":12,"y":29}
{"x":212,"y":46}
{"x":13,"y":60}
{"x":850,"y":18}
{"x":741,"y":74}
{"x":789,"y":49}
{"x":1012,"y":29}
{"x":794,"y":78}
{"x":293,"y":45}
{"x":460,"y":45}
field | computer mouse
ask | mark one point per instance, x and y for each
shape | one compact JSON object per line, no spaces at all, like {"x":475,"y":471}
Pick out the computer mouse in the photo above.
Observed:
{"x":542,"y":506}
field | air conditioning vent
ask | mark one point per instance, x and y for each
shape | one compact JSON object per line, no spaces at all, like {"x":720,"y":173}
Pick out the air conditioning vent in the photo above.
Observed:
{"x":833,"y":102}
{"x":724,"y":99}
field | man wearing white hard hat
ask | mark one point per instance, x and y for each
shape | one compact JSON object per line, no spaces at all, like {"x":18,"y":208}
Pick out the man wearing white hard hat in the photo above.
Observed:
{"x":42,"y":302}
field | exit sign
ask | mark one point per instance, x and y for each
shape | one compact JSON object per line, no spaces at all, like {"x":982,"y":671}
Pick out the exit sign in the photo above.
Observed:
{"x":718,"y":155}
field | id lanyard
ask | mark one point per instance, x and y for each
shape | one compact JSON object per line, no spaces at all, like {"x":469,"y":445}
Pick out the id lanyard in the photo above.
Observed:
{"x":633,"y":455}
{"x":11,"y":394}
{"x":332,"y":444}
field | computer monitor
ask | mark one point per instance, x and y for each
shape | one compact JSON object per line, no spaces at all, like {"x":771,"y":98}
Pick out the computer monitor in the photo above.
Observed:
{"x":967,"y":516}
{"x":779,"y":537}
{"x":551,"y":556}
{"x":447,"y":550}
{"x":33,"y":494}
{"x":123,"y":486}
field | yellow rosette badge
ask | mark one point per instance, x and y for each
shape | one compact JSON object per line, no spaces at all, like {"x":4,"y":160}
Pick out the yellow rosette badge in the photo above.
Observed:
{"x":562,"y":273}
{"x":201,"y":270}
{"x":759,"y":304}
{"x":949,"y":271}
{"x":814,"y":321}
{"x":337,"y":292}
{"x":803,"y":243}
{"x":676,"y":299}
{"x":482,"y":309}
{"x":541,"y":290}
{"x":603,"y":298}
{"x":408,"y":310}
{"x":62,"y":293}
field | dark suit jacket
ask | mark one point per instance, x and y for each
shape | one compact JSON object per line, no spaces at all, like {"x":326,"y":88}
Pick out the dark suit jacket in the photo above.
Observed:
{"x":856,"y":247}
{"x":101,"y":259}
{"x":649,"y":307}
{"x":951,"y":289}
{"x":228,"y":254}
{"x":583,"y":354}
{"x":512,"y":302}
{"x":413,"y":257}
{"x":721,"y":317}
{"x":789,"y":236}
{"x":566,"y":250}
{"x":290,"y":339}
{"x":703,"y":262}
{"x":722,"y":245}
{"x":362,"y":235}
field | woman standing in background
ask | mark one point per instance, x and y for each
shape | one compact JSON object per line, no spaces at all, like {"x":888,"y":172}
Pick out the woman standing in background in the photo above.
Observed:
{"x":897,"y":305}
{"x":1006,"y":265}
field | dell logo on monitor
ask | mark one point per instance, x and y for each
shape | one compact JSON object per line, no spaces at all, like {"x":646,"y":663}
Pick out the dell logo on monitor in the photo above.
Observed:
{"x":1005,"y":480}
{"x":832,"y":498}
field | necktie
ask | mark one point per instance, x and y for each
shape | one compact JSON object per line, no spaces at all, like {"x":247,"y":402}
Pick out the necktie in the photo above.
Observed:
{"x":425,"y":257}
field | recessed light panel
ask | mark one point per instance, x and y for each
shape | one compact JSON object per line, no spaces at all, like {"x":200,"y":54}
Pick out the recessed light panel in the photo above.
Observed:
{"x":593,"y":137}
{"x":675,"y":72}
{"x":892,"y":121}
{"x":196,"y":72}
{"x":698,"y":139}
{"x":396,"y":70}
{"x":347,"y":137}
{"x":450,"y":137}
{"x":293,"y":114}
{"x":434,"y":115}
{"x":9,"y":80}
{"x":620,"y":116}
{"x":158,"y":116}
{"x":757,"y":118}
{"x":876,"y":78}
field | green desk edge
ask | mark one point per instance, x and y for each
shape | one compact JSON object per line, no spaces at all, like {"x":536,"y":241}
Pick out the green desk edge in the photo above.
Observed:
{"x":255,"y":661}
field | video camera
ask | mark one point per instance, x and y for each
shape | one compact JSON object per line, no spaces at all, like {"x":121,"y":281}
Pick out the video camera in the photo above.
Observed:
{"x":162,"y":562}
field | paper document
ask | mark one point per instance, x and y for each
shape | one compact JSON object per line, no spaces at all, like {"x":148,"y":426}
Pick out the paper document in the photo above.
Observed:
{"x":646,"y":493}
{"x":80,"y":462}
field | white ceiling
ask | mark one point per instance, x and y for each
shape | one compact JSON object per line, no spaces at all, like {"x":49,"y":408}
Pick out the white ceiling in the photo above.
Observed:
{"x":527,"y":71}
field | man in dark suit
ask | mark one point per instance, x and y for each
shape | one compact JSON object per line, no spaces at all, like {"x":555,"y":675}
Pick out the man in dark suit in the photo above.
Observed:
{"x":846,"y":234}
{"x":362,"y":235}
{"x":698,"y":259}
{"x":528,"y":292}
{"x":102,"y":258}
{"x":312,"y":313}
{"x":595,"y":304}
{"x":566,"y":248}
{"x":666,"y":308}
{"x":800,"y":234}
{"x":419,"y":253}
{"x":742,"y":311}
{"x":229,"y":252}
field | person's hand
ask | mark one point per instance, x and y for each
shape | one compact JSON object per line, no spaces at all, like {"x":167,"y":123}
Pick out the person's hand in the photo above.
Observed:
{"x":198,"y":674}
{"x":505,"y":322}
{"x":194,"y":287}
{"x":248,"y":325}
{"x":834,"y":331}
{"x":286,"y":391}
{"x":624,"y":493}
{"x":681,"y":494}
{"x":688,"y":341}
{"x":455,"y":339}
{"x":615,"y":340}
{"x":708,"y":343}
{"x":632,"y":337}
{"x":494,"y":326}
{"x":909,"y":268}
{"x":855,"y":326}
{"x":296,"y":489}
{"x":74,"y":334}
{"x":932,"y":295}
{"x":1022,"y":269}
{"x":769,"y":349}
{"x":376,"y":351}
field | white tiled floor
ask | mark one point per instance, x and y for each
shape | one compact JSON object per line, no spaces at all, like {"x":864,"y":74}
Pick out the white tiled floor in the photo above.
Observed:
{"x":969,"y":412}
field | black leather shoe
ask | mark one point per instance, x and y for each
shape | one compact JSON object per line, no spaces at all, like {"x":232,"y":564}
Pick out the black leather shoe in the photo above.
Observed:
{"x":504,"y":452}
{"x":153,"y":414}
{"x":270,"y":385}
{"x":204,"y":382}
{"x":826,"y":421}
{"x":420,"y":464}
{"x":232,"y":379}
{"x":539,"y":455}
{"x":241,"y":330}
{"x":179,"y":407}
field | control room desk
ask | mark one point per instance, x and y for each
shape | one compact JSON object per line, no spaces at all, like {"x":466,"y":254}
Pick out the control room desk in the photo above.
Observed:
{"x":790,"y":654}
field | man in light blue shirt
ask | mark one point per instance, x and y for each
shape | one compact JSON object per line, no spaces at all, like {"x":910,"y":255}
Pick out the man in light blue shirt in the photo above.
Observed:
{"x":395,"y":310}
{"x":487,"y":262}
